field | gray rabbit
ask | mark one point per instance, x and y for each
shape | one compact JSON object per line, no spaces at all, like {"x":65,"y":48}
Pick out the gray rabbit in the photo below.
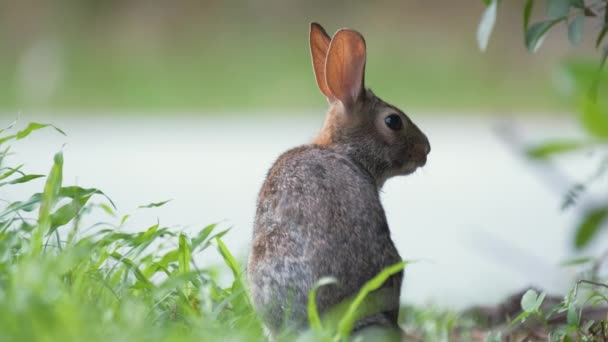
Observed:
{"x":319,"y":212}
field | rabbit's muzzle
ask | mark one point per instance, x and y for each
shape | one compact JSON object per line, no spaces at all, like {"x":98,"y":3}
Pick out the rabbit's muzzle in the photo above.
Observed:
{"x":420,"y":151}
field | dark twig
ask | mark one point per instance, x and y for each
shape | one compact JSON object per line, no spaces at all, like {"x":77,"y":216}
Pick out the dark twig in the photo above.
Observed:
{"x":590,"y":282}
{"x":597,"y":264}
{"x":595,"y":283}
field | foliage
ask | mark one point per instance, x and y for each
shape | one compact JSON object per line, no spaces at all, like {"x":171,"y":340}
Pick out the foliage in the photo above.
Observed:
{"x":62,"y":281}
{"x":593,"y":118}
{"x":584,"y":90}
{"x":573,"y":327}
{"x":573,"y":13}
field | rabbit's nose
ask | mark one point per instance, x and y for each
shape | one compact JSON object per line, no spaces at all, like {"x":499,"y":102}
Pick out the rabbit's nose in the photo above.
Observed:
{"x":427,"y":145}
{"x":423,"y":147}
{"x":420,"y":151}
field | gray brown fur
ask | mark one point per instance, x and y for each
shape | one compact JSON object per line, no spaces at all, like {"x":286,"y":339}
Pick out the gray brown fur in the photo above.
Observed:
{"x":319,"y":214}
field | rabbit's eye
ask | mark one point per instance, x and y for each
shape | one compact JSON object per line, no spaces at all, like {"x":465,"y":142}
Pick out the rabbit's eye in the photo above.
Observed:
{"x":393,"y":122}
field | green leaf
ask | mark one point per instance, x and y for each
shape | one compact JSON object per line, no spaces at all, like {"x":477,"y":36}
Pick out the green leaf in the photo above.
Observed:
{"x":577,"y":261}
{"x":202,"y":235}
{"x":34,"y":126}
{"x":572,"y":315}
{"x":566,"y":334}
{"x":132,"y":266}
{"x":50,"y":195}
{"x":23,"y":179}
{"x":26,"y":206}
{"x":163,"y":264}
{"x":154,"y":205}
{"x":529,"y":300}
{"x":588,"y":228}
{"x":149,"y":235}
{"x":124,"y":219}
{"x":527,"y":13}
{"x":109,"y":210}
{"x":557,"y":8}
{"x":548,"y":149}
{"x":176,"y":281}
{"x":7,"y":138}
{"x":575,"y":29}
{"x":10,"y":172}
{"x":313,"y":312}
{"x":521,"y":317}
{"x":202,"y":246}
{"x":66,"y":213}
{"x":228,"y":258}
{"x":536,"y":32}
{"x":539,"y":301}
{"x":594,"y":117}
{"x":598,"y":298}
{"x":78,"y":192}
{"x":486,"y":25}
{"x":184,"y":254}
{"x":350,"y":317}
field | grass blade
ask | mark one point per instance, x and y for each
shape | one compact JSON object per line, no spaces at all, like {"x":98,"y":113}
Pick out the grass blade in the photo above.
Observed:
{"x":202,"y":235}
{"x":551,"y":148}
{"x":34,"y":126}
{"x":346,"y":324}
{"x":50,"y":195}
{"x":10,"y":172}
{"x":27,"y":206}
{"x":154,"y":205}
{"x":78,"y":192}
{"x":184,"y":254}
{"x":132,"y":266}
{"x":593,"y":221}
{"x":23,"y":179}
{"x":228,"y":258}
{"x":313,"y":312}
{"x":66,"y":213}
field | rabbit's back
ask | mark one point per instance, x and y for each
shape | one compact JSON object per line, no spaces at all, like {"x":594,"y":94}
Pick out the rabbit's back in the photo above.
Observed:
{"x":318,"y":215}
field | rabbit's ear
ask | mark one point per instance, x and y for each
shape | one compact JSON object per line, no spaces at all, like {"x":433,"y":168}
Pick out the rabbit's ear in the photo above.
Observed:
{"x":319,"y":44}
{"x":345,"y":66}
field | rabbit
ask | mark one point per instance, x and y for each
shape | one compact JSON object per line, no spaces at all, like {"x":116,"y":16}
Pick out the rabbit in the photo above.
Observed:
{"x":319,"y":212}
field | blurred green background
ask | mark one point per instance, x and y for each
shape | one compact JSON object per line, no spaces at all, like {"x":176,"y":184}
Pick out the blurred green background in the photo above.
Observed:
{"x":232,"y":56}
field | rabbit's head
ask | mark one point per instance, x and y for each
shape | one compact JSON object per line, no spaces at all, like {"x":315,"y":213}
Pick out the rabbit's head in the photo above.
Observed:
{"x":376,"y":134}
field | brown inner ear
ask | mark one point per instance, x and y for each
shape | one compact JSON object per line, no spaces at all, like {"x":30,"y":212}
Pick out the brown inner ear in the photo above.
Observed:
{"x":319,"y":45}
{"x":345,"y":66}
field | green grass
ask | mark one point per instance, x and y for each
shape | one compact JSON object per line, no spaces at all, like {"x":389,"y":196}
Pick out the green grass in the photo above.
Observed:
{"x":111,"y":281}
{"x":274,"y":74}
{"x":62,"y":281}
